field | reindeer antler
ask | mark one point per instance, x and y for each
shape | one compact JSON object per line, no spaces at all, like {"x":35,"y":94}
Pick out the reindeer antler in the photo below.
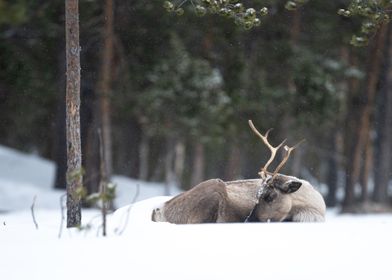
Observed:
{"x":286,"y":157}
{"x":263,"y":170}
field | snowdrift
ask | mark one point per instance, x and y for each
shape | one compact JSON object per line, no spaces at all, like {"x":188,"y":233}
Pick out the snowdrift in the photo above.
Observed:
{"x":345,"y":247}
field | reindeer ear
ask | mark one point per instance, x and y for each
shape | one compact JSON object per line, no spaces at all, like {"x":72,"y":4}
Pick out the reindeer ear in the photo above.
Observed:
{"x":290,"y":186}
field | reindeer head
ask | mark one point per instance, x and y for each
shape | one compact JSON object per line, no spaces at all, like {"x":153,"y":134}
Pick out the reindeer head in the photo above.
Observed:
{"x":274,"y":200}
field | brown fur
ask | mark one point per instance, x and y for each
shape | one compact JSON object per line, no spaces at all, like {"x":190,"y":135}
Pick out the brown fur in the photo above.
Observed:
{"x":218,"y":201}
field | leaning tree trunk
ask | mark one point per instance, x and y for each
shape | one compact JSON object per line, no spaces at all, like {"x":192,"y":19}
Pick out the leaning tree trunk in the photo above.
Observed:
{"x":363,"y":113}
{"x":74,"y":155}
{"x":104,"y":85}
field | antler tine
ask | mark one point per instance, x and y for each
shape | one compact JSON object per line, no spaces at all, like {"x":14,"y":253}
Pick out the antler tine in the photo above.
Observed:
{"x":263,"y":170}
{"x":286,"y":157}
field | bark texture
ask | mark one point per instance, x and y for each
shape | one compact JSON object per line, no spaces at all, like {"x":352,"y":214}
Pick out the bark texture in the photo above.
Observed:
{"x":74,"y":155}
{"x":362,"y":112}
{"x":104,"y":85}
{"x":198,"y":164}
{"x":383,"y":162}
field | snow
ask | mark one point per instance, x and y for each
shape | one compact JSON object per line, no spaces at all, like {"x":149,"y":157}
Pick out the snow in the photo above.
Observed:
{"x":23,"y":176}
{"x":345,"y":247}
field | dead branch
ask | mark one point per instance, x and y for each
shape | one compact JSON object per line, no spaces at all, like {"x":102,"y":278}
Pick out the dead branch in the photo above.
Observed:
{"x":62,"y":207}
{"x":119,"y":231}
{"x":32,"y":212}
{"x":104,"y":181}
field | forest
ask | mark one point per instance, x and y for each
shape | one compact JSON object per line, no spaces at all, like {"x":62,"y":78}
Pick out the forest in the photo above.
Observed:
{"x":172,"y":85}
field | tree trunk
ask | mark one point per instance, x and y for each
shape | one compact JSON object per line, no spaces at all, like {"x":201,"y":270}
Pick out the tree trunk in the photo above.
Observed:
{"x":179,"y":161}
{"x":297,"y":163}
{"x":332,"y":182}
{"x":349,"y":129}
{"x":295,"y":31}
{"x":91,"y":147}
{"x":103,"y":183}
{"x":295,"y":28}
{"x":332,"y":175}
{"x":144,"y":152}
{"x":366,"y":169}
{"x":169,"y":167}
{"x":74,"y":155}
{"x":104,"y":85}
{"x":382,"y":172}
{"x":363,"y":114}
{"x":233,"y":167}
{"x":198,"y":164}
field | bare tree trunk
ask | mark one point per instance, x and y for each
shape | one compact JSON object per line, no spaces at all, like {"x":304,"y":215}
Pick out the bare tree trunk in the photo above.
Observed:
{"x":198,"y":164}
{"x":349,"y":130}
{"x":74,"y":155}
{"x":233,"y":167}
{"x":336,"y":140}
{"x":295,"y":31}
{"x":295,"y":28}
{"x":103,"y":183}
{"x":383,"y":159}
{"x":363,"y":113}
{"x":90,"y":142}
{"x":332,"y":182}
{"x":297,"y":163}
{"x":144,"y":152}
{"x":169,"y":167}
{"x":333,"y":168}
{"x":104,"y":84}
{"x":179,"y":161}
{"x":158,"y":169}
{"x":366,"y":169}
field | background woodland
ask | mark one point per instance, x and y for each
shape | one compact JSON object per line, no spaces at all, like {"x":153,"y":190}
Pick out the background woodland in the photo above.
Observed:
{"x":174,"y":94}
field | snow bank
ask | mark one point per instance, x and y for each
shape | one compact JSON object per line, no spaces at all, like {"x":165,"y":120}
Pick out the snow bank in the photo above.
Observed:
{"x":24,"y":176}
{"x":345,"y":247}
{"x":128,"y":189}
{"x":348,"y":248}
{"x":25,"y":168}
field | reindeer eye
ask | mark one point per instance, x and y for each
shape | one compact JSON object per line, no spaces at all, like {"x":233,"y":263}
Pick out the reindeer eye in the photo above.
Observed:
{"x":269,"y":197}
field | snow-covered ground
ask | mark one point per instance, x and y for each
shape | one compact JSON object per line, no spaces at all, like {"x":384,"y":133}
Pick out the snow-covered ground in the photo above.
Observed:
{"x":23,"y":176}
{"x":345,"y":247}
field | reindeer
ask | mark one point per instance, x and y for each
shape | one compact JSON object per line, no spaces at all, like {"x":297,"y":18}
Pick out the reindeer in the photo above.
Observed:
{"x":273,"y":197}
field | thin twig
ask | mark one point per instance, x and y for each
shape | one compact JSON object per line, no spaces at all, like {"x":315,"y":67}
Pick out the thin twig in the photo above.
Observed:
{"x":32,"y":212}
{"x":182,"y":3}
{"x":135,"y":197}
{"x":99,"y":229}
{"x":104,"y":181}
{"x":90,"y":224}
{"x":121,"y":231}
{"x":62,"y":214}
